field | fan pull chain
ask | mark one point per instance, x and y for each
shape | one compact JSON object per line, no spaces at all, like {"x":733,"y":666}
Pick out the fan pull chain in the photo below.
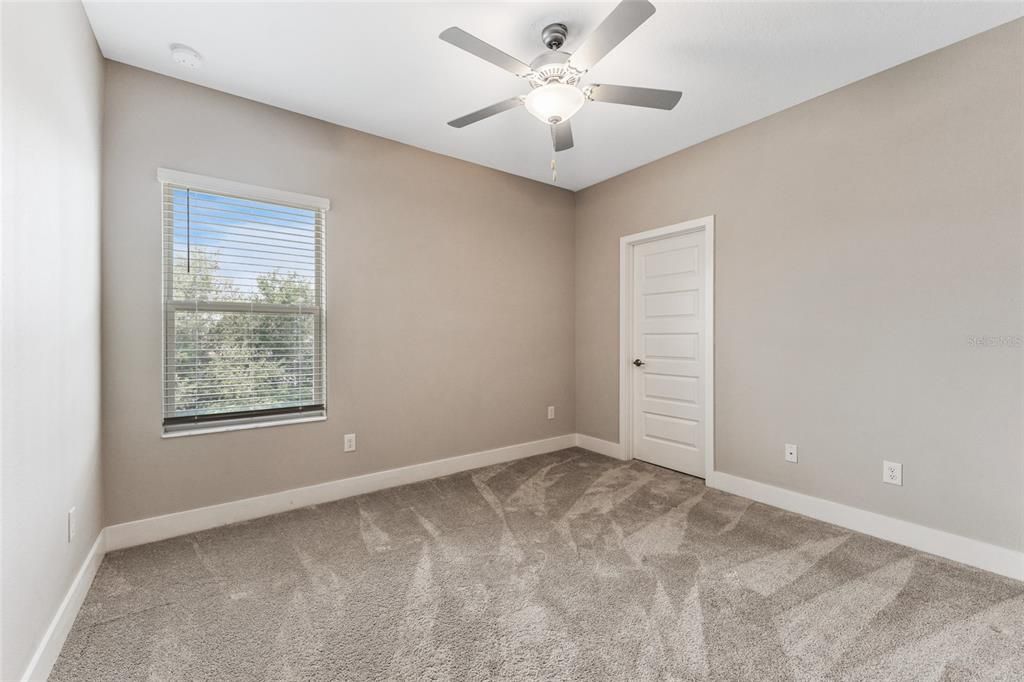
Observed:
{"x":554,"y":171}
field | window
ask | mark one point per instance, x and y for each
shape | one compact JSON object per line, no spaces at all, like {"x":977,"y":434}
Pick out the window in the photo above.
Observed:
{"x":243,"y":304}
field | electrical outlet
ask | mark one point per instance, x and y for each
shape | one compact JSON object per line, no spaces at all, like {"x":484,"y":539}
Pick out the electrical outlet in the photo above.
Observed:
{"x":71,"y":524}
{"x":791,"y":455}
{"x":892,"y":473}
{"x":350,"y":442}
{"x":551,"y":411}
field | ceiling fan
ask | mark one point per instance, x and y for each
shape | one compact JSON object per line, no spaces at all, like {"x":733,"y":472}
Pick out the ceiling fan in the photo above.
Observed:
{"x":556,"y":76}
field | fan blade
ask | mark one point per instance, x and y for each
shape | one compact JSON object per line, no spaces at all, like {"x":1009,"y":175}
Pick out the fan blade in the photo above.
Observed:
{"x":561,"y":136}
{"x":473,"y":45}
{"x":486,"y":112}
{"x":637,"y":97}
{"x":623,"y":20}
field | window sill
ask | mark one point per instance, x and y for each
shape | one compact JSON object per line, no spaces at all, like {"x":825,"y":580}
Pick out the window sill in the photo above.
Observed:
{"x":283,"y":421}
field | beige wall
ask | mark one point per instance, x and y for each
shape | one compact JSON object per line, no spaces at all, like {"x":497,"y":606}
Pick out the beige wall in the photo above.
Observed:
{"x":52,"y":93}
{"x":449,"y":303}
{"x":861,"y":238}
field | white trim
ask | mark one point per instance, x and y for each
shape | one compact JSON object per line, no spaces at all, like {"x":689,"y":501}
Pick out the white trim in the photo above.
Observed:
{"x":280,"y":421}
{"x":241,"y":189}
{"x":53,"y":639}
{"x":181,"y":523}
{"x":975,"y":553}
{"x":601,"y":447}
{"x":626,"y":244}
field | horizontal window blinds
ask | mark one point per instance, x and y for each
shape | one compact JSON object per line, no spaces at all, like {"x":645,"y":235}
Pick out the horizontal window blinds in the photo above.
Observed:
{"x":243,"y":308}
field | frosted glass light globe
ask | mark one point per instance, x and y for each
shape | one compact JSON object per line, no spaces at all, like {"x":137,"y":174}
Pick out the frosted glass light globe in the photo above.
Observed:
{"x":554,"y":102}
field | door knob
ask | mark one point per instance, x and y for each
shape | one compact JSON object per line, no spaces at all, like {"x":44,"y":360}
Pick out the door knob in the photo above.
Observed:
{"x":639,"y":363}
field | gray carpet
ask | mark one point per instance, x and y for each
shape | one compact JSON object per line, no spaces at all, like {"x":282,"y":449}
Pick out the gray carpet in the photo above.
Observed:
{"x":567,"y":565}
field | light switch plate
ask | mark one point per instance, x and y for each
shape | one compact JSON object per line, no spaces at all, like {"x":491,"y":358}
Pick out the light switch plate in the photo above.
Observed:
{"x":551,"y":411}
{"x":350,"y":442}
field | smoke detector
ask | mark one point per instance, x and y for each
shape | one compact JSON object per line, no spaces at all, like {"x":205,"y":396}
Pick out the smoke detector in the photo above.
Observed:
{"x":186,"y":56}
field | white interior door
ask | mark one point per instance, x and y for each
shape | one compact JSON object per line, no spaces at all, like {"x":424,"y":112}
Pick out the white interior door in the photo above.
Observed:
{"x":669,"y":364}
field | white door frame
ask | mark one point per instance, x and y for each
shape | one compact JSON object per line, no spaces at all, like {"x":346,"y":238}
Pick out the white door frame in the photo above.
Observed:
{"x":626,"y":244}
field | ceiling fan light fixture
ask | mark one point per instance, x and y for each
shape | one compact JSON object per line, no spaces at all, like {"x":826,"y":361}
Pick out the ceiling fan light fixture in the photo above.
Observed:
{"x":554,"y":102}
{"x":556,"y":76}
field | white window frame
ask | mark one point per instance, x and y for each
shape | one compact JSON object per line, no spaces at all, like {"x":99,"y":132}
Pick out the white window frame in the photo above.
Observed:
{"x":257,"y":193}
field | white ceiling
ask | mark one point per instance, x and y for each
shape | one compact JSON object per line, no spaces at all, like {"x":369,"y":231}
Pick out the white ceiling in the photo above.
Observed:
{"x":379,"y":67}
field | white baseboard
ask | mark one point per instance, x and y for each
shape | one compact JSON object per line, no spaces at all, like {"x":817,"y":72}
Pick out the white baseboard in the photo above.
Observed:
{"x":53,"y":639}
{"x":602,"y":447}
{"x":976,"y":553}
{"x":972,"y":552}
{"x":181,"y":523}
